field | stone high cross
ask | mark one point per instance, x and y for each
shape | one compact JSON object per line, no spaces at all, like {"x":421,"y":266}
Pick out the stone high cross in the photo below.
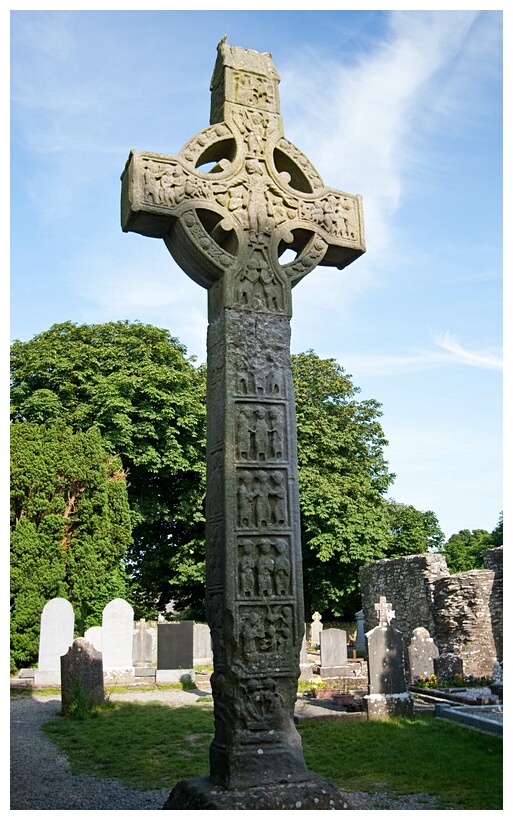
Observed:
{"x":228,"y":206}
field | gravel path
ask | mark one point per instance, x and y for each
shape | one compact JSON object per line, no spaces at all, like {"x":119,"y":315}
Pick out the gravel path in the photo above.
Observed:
{"x":41,"y":778}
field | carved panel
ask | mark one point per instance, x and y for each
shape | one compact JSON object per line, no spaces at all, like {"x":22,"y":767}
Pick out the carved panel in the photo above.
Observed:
{"x":264,"y":568}
{"x":262,"y":499}
{"x":260,"y":433}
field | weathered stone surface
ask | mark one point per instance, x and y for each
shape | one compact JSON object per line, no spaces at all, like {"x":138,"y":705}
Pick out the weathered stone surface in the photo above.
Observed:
{"x":408,"y":583}
{"x":81,"y":676}
{"x":316,"y":628}
{"x":463,"y":624}
{"x":421,"y":654}
{"x":333,"y":654}
{"x":228,"y":228}
{"x":463,"y":612}
{"x":382,"y":707}
{"x":142,"y":644}
{"x":385,"y":661}
{"x":313,"y":794}
{"x":202,"y":644}
{"x":388,"y":694}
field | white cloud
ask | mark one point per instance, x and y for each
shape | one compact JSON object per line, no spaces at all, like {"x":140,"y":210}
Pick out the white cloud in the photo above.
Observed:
{"x":488,"y":359}
{"x":447,"y":352}
{"x":371,"y":122}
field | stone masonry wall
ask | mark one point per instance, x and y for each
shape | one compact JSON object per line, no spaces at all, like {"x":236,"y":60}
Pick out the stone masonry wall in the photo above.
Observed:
{"x":462,"y":612}
{"x":462,"y":619}
{"x":407,"y":584}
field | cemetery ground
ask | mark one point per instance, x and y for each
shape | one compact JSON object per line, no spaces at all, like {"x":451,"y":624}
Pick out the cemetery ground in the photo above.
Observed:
{"x":150,"y":737}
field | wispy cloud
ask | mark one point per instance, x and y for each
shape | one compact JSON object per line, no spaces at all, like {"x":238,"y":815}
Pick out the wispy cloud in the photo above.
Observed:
{"x":446,"y":351}
{"x":488,"y":359}
{"x":369,"y":124}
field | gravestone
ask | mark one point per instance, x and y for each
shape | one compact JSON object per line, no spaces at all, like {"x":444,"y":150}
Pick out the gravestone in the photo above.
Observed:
{"x":175,"y":642}
{"x":447,"y":665}
{"x":142,"y":645}
{"x":81,"y":676}
{"x":360,"y":632}
{"x":388,"y":695}
{"x":55,"y":638}
{"x":422,"y":652}
{"x":228,"y":227}
{"x":202,"y":645}
{"x":316,"y":628}
{"x":117,"y":639}
{"x":333,"y":654}
{"x":94,"y":636}
{"x":305,"y":666}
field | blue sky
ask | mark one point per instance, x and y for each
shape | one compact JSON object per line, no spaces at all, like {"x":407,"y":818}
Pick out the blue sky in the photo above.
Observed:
{"x":403,"y":107}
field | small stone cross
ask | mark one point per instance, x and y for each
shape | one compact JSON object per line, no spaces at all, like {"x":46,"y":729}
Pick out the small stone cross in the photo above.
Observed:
{"x":384,"y":611}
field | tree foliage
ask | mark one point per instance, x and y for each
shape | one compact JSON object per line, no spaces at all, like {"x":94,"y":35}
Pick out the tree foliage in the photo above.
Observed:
{"x":342,"y":478}
{"x":412,"y":531}
{"x":70,"y":527}
{"x":464,"y":550}
{"x":132,"y":383}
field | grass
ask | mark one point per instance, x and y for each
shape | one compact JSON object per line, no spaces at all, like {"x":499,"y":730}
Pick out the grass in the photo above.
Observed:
{"x":151,"y":746}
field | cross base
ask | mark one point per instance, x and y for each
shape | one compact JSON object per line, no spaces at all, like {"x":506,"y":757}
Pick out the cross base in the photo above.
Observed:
{"x":312,"y":794}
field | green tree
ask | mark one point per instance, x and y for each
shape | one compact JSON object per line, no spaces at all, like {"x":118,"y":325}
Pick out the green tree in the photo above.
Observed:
{"x":135,"y":385}
{"x":343,"y":477}
{"x":70,"y":527}
{"x":412,"y":531}
{"x":496,"y":535}
{"x":464,"y":550}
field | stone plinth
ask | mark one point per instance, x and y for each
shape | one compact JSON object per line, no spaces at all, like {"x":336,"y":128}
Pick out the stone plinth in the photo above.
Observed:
{"x":312,"y":794}
{"x":382,"y":707}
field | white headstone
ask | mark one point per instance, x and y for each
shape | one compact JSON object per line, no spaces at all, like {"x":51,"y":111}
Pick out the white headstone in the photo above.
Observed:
{"x":55,"y":638}
{"x":333,"y":651}
{"x":201,"y":644}
{"x":117,"y":636}
{"x":315,"y":629}
{"x":94,"y":636}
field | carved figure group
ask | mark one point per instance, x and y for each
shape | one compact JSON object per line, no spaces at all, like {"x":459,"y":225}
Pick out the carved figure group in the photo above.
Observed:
{"x":262,"y":499}
{"x":260,"y":434}
{"x":265,"y":629}
{"x":258,"y":375}
{"x":268,"y":574}
{"x":260,"y":705}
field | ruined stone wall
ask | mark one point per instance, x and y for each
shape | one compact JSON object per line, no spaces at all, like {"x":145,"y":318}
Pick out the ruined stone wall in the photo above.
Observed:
{"x":407,"y":583}
{"x":462,"y":619}
{"x":462,"y":612}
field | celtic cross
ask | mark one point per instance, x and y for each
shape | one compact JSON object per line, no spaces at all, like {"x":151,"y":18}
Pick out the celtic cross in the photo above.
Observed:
{"x":384,"y":611}
{"x":228,"y":206}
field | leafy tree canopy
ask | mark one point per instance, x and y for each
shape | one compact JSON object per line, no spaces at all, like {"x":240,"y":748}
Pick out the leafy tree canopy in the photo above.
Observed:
{"x":342,"y":478}
{"x":412,"y":531}
{"x":70,"y":527}
{"x":464,"y":550}
{"x":134,"y":384}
